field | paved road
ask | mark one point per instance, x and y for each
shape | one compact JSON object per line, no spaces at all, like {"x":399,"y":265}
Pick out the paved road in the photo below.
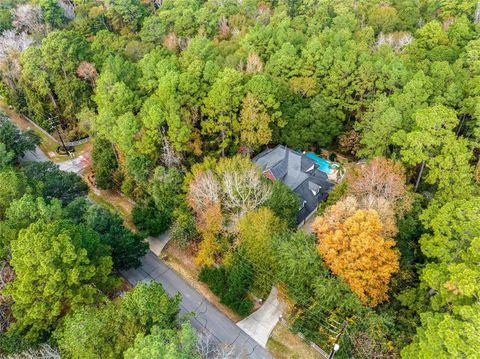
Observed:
{"x":206,"y":315}
{"x":75,"y":165}
{"x":37,"y":156}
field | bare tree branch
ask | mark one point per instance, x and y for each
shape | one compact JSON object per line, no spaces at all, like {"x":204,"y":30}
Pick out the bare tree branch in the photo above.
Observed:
{"x":29,"y":18}
{"x":204,"y":191}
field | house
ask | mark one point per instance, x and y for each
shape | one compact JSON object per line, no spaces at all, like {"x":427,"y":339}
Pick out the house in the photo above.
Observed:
{"x":301,"y":173}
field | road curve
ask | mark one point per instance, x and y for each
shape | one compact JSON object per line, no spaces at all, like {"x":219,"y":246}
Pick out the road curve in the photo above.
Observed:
{"x":205,"y":316}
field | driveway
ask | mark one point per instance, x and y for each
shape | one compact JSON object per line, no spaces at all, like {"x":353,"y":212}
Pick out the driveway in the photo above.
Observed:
{"x":75,"y":165}
{"x":158,"y":243}
{"x":205,"y":316}
{"x":259,"y":324}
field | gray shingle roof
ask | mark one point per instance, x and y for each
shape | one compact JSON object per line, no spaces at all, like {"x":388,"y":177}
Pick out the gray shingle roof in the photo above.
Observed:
{"x":299,"y":173}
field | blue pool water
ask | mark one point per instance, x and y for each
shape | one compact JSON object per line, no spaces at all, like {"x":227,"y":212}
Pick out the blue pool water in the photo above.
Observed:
{"x":323,"y":164}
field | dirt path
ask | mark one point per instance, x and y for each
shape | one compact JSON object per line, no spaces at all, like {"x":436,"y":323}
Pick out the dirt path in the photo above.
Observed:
{"x":112,"y":199}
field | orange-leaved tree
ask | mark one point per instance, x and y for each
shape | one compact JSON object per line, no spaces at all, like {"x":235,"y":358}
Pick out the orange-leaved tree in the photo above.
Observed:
{"x":353,"y":247}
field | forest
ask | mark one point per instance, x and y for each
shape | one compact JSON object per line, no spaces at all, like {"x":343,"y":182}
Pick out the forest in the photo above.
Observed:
{"x":177,"y":97}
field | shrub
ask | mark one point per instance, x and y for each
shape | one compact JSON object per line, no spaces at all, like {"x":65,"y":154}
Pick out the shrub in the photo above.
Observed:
{"x":215,"y":278}
{"x":149,"y":219}
{"x":333,"y":197}
{"x":231,"y":284}
{"x":183,"y":230}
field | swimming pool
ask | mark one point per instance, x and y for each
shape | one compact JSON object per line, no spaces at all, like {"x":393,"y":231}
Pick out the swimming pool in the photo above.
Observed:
{"x":323,"y":164}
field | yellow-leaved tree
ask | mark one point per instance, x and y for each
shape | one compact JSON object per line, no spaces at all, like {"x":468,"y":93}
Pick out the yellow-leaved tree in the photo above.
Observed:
{"x":209,"y":224}
{"x":257,"y":232}
{"x":354,"y":246}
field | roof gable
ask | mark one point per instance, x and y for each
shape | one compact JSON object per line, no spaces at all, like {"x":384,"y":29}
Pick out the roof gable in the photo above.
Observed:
{"x":299,"y":173}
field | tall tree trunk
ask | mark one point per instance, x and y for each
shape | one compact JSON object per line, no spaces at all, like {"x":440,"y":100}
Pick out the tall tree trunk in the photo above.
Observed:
{"x":223,"y":141}
{"x":417,"y":183}
{"x":460,"y":125}
{"x":476,"y":17}
{"x":52,"y":97}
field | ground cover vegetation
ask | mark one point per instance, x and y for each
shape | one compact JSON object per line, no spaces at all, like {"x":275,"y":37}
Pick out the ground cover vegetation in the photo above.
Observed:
{"x":180,"y":94}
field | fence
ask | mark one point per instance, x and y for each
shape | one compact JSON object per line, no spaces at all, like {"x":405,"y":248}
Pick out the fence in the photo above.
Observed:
{"x":322,"y":352}
{"x":68,"y":144}
{"x":78,"y":142}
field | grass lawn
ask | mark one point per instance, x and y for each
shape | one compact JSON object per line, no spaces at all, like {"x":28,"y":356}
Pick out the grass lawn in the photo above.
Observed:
{"x":110,"y":203}
{"x":47,"y":145}
{"x":283,"y":344}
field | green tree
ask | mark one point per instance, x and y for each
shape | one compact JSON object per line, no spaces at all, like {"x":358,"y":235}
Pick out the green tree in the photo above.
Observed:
{"x":231,"y":282}
{"x":109,"y":330}
{"x":117,"y":99}
{"x":299,"y":265}
{"x":76,"y":209}
{"x":50,"y":182}
{"x":315,"y":125}
{"x":52,"y":13}
{"x":50,"y":82}
{"x":165,"y":188}
{"x":150,"y":305}
{"x":433,"y":144}
{"x":59,"y":266}
{"x":254,"y":123}
{"x":13,"y":185}
{"x":127,"y":247}
{"x":14,"y":142}
{"x":148,"y":219}
{"x":6,"y":157}
{"x":127,"y":14}
{"x":183,"y":230}
{"x":451,"y":248}
{"x":284,"y":203}
{"x":178,"y":343}
{"x":379,"y":124}
{"x":5,"y":18}
{"x":283,"y":62}
{"x":104,"y":163}
{"x":257,"y":229}
{"x":24,"y":211}
{"x":447,"y":335}
{"x":101,"y":332}
{"x":221,"y":107}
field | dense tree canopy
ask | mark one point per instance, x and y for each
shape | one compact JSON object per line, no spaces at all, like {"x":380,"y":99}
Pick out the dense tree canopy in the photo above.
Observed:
{"x":58,"y":267}
{"x":14,"y":143}
{"x":353,"y":248}
{"x":50,"y":182}
{"x":130,"y":322}
{"x":178,"y":94}
{"x":127,"y":247}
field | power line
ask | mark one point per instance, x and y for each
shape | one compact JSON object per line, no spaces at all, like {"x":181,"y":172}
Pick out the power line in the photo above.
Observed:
{"x":265,"y":276}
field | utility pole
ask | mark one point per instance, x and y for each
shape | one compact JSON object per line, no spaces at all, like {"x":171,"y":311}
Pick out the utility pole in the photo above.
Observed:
{"x":336,"y":346}
{"x":54,"y":124}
